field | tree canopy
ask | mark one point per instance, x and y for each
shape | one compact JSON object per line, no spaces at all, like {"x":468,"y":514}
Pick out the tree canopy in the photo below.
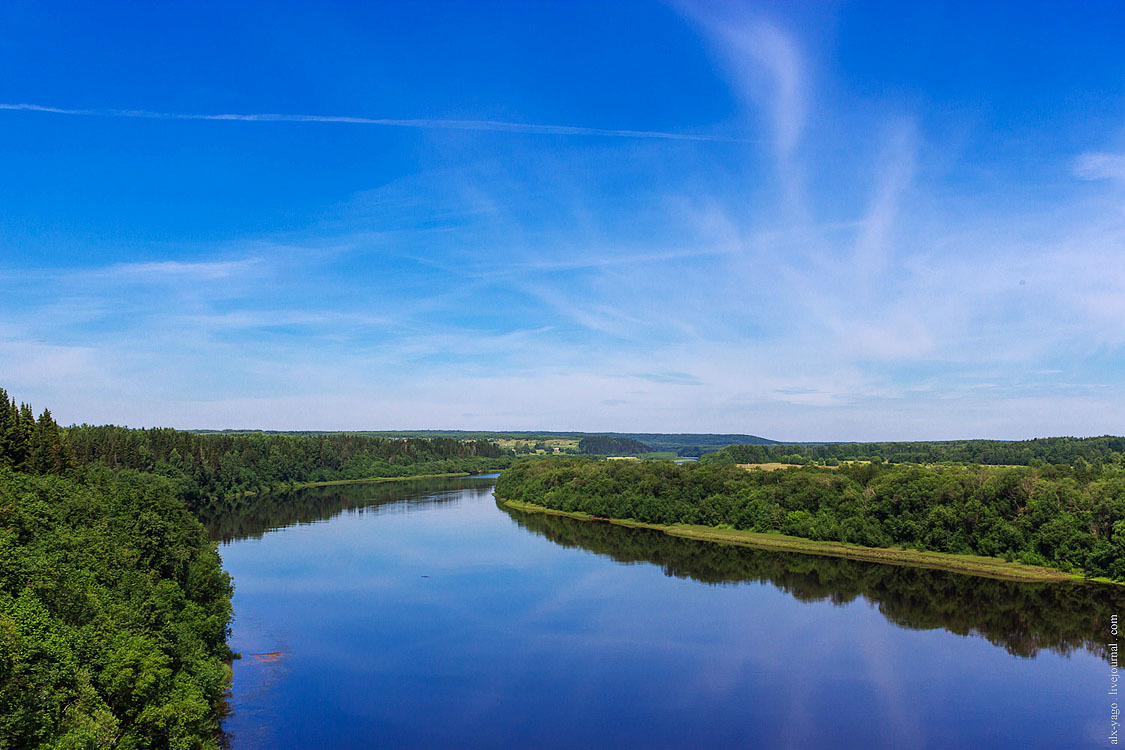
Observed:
{"x":1069,"y":517}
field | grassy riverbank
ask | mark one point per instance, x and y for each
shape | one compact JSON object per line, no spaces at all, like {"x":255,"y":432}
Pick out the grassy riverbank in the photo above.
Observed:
{"x":989,"y":567}
{"x":1059,"y":518}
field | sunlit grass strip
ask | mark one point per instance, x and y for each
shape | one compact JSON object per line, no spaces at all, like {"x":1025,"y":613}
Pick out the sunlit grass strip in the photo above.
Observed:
{"x":988,"y":567}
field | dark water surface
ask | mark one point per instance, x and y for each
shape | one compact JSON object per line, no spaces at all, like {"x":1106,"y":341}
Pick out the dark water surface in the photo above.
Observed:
{"x":422,"y":614}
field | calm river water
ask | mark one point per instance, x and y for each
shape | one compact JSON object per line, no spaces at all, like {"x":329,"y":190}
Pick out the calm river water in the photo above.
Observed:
{"x":422,"y":614}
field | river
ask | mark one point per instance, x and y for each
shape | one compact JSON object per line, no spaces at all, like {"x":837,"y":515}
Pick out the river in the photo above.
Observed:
{"x":425,"y":614}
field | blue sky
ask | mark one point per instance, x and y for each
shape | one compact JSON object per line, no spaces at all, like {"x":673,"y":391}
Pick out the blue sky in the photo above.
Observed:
{"x":821,"y":221}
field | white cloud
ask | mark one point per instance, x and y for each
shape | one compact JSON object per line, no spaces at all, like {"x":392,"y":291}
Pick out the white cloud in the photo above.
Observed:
{"x":1099,"y":165}
{"x":170,"y":270}
{"x":764,"y":64}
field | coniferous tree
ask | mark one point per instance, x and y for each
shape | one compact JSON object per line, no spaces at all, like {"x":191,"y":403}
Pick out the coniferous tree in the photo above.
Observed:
{"x":23,"y":438}
{"x":7,"y":429}
{"x":44,"y":445}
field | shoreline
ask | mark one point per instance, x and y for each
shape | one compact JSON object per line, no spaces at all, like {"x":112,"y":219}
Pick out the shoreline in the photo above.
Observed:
{"x":367,"y":480}
{"x":986,"y":567}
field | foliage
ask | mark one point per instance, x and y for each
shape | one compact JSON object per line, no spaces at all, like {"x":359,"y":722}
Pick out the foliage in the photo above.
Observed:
{"x":682,"y":444}
{"x":114,"y":611}
{"x":606,"y":445}
{"x":1060,"y":516}
{"x":210,"y":465}
{"x":1057,"y":450}
{"x":29,"y":444}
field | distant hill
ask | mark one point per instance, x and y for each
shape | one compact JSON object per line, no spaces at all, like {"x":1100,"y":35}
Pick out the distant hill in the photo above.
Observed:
{"x":694,"y":444}
{"x":1106,"y":449}
{"x":613,"y":445}
{"x":683,"y":444}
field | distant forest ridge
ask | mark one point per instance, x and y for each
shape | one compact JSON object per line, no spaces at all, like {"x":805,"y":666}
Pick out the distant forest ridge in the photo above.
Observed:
{"x":681,"y":443}
{"x":1106,"y":449}
{"x":613,"y":446}
{"x":205,"y":466}
{"x":740,"y":448}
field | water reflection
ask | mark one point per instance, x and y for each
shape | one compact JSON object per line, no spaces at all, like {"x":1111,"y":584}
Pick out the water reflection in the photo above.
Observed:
{"x":421,"y":615}
{"x":1022,"y":618}
{"x":252,"y":516}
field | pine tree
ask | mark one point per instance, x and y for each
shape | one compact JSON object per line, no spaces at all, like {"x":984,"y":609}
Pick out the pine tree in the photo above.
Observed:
{"x":44,"y":445}
{"x":8,"y":417}
{"x":67,"y":458}
{"x":23,"y":436}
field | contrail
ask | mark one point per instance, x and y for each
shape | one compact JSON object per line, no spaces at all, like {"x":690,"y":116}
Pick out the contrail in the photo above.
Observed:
{"x":490,"y":125}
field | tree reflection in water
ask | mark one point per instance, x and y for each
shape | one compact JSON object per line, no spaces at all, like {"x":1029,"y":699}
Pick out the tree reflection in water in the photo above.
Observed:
{"x":1022,"y":618}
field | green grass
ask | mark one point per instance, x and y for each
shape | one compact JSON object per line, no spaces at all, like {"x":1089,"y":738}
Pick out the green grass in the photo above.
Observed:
{"x":989,"y":567}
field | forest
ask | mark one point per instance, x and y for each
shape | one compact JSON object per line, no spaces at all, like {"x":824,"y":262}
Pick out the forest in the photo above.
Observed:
{"x":1061,"y":516}
{"x":114,"y":612}
{"x":612,"y":445}
{"x":682,"y":444}
{"x":208,"y":466}
{"x":1056,"y":450}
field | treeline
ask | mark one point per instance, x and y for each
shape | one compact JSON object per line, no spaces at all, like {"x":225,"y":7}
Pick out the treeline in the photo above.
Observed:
{"x":205,"y":466}
{"x":611,"y":445}
{"x":696,"y":444}
{"x":211,"y":465}
{"x":1057,"y":450}
{"x":1060,"y":516}
{"x":241,"y":517}
{"x":682,"y":444}
{"x":114,"y":612}
{"x":31,"y":444}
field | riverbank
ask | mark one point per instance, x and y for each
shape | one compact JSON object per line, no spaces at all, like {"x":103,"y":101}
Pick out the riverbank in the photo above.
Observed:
{"x":367,"y":480}
{"x":988,"y":567}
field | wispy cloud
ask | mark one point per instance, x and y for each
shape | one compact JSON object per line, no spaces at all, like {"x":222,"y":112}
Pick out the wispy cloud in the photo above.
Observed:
{"x":874,"y":246}
{"x":1100,"y":166}
{"x":425,"y":124}
{"x":172,"y":270}
{"x":769,"y":76}
{"x":764,"y":64}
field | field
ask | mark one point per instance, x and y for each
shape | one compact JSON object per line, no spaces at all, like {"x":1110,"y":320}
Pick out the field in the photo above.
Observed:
{"x":552,"y":444}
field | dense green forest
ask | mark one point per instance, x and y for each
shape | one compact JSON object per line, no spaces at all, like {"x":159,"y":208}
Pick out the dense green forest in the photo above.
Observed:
{"x":1056,"y":450}
{"x":741,"y":448}
{"x":32,"y":444}
{"x":207,"y":466}
{"x":113,"y":614}
{"x":1069,"y":517}
{"x":682,"y":444}
{"x":605,"y":445}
